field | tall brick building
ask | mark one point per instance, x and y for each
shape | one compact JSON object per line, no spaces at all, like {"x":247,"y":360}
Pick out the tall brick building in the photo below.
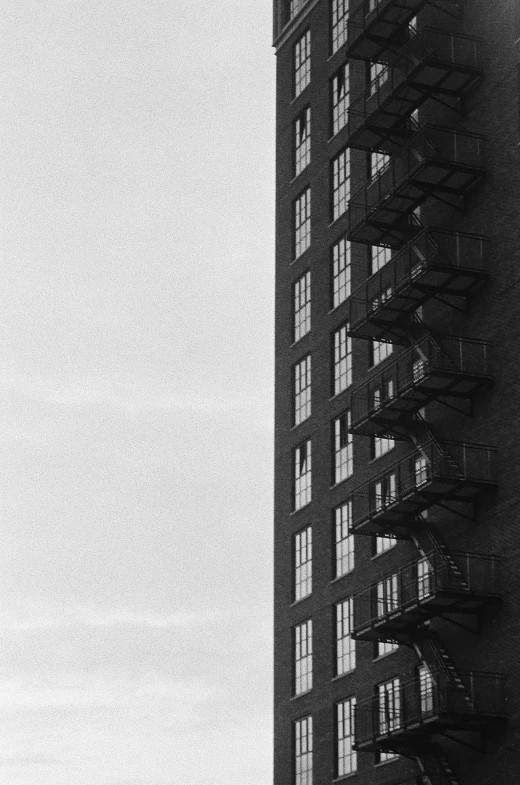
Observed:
{"x":397,"y":501}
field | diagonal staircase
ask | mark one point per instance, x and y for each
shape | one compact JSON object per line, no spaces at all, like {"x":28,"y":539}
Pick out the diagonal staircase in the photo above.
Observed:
{"x":429,"y":539}
{"x":435,"y":769}
{"x":431,"y":651}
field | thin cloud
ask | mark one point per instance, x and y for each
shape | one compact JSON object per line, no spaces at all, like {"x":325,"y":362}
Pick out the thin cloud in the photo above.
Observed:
{"x":87,"y":392}
{"x":85,"y":618}
{"x":116,"y":693}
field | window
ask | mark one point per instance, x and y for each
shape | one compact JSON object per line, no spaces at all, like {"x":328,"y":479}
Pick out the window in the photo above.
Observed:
{"x":379,"y":74}
{"x":389,"y":699}
{"x":340,"y":98}
{"x":303,"y":564}
{"x":378,"y":163}
{"x":387,"y":594}
{"x":382,"y":757}
{"x":379,"y":351}
{"x":384,"y":492}
{"x":340,"y":271}
{"x":424,"y":578}
{"x":379,"y":256}
{"x":345,"y":645}
{"x":382,"y":394}
{"x":414,"y":126}
{"x":342,"y":359}
{"x":343,"y":458}
{"x":421,"y":470}
{"x":303,"y":751}
{"x":343,"y":539}
{"x":302,"y":63}
{"x":302,"y":475}
{"x":302,"y":306}
{"x":419,"y":365}
{"x":339,"y":23}
{"x":340,"y":183}
{"x":303,"y":657}
{"x":302,"y":223}
{"x":380,"y":446}
{"x":381,"y":298}
{"x":426,"y":689}
{"x":302,"y":390}
{"x":302,"y":141}
{"x":384,"y":544}
{"x":295,"y":6}
{"x":385,"y":647}
{"x":346,"y":755}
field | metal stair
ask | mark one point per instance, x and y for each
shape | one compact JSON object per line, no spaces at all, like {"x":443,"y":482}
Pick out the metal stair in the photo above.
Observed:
{"x":435,"y":769}
{"x":436,"y":543}
{"x":431,"y":651}
{"x":424,"y":432}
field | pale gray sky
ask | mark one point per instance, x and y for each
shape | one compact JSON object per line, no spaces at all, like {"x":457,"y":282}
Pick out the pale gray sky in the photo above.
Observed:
{"x":136,"y":233}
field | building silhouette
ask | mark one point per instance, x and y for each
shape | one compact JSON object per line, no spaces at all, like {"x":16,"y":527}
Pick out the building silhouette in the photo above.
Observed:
{"x":397,"y":488}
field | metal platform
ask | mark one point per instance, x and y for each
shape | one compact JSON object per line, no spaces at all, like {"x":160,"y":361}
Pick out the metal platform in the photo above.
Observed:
{"x":378,"y":28}
{"x":391,"y":503}
{"x":451,"y":370}
{"x":433,"y":64}
{"x":436,"y":264}
{"x":423,"y":589}
{"x":440,"y":163}
{"x":423,"y":707}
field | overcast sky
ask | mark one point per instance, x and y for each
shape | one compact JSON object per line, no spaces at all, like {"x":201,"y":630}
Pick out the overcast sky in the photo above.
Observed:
{"x":136,"y":233}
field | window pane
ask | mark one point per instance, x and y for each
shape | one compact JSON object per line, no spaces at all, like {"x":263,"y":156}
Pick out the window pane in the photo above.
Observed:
{"x":302,"y":223}
{"x":303,"y":657}
{"x":347,"y":758}
{"x":343,"y":457}
{"x":302,"y":390}
{"x":344,"y":540}
{"x":342,"y":359}
{"x":295,"y":6}
{"x":384,"y":544}
{"x":379,"y":74}
{"x":389,"y":694}
{"x":345,"y":645}
{"x":379,"y":257}
{"x":378,"y":163}
{"x":386,"y":647}
{"x":340,"y":183}
{"x":302,"y":63}
{"x":340,"y":271}
{"x":339,"y":23}
{"x":302,"y":141}
{"x":380,"y":351}
{"x":303,"y":751}
{"x":302,"y":475}
{"x":340,"y":98}
{"x":381,"y":445}
{"x":387,"y":595}
{"x":303,"y":564}
{"x":302,"y":306}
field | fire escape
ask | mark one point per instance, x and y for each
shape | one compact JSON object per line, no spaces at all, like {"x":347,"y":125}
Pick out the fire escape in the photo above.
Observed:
{"x":427,"y":263}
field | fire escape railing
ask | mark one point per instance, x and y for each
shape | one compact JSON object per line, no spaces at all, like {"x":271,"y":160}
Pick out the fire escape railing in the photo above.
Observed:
{"x":434,"y":63}
{"x":436,"y":264}
{"x":430,"y":586}
{"x":427,"y":704}
{"x":424,"y":264}
{"x":444,"y":368}
{"x":428,"y":475}
{"x":377,"y":28}
{"x":437,"y":162}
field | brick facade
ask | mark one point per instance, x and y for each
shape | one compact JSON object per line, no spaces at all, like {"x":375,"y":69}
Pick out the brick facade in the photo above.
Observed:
{"x":491,"y":640}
